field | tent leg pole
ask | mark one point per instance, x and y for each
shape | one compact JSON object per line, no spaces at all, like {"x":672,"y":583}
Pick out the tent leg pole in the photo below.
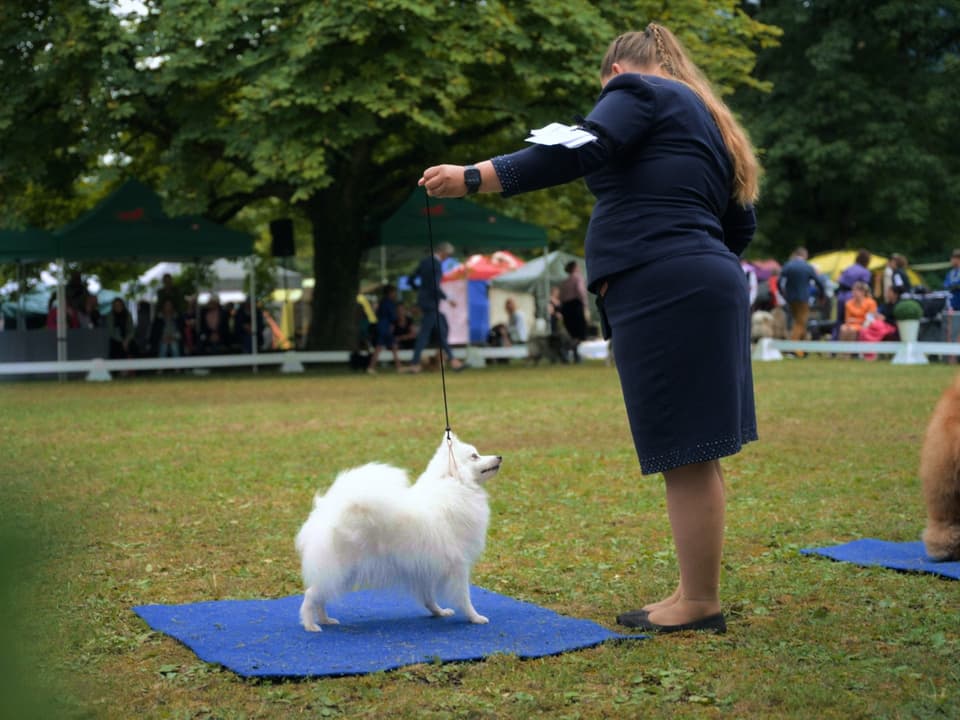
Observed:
{"x":61,"y":316}
{"x":253,"y":312}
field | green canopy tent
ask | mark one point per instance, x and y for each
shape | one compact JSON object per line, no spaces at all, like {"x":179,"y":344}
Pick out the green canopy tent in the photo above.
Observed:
{"x":462,"y":223}
{"x":130,"y":224}
{"x":24,"y":246}
{"x":29,"y":245}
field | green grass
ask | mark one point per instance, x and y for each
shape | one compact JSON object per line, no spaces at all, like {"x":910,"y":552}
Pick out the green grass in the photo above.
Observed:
{"x":164,"y":490}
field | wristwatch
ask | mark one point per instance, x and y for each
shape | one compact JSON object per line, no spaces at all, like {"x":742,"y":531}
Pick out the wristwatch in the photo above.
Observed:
{"x":471,"y":178}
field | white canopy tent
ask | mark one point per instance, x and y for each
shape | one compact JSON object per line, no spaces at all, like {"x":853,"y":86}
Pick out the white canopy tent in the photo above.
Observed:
{"x":538,"y":276}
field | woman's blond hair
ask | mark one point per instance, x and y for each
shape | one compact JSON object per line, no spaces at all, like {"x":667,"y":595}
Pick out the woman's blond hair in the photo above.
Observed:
{"x":657,"y":46}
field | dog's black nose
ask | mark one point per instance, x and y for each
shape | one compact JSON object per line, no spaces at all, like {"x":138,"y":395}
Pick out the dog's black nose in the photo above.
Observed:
{"x":499,"y":457}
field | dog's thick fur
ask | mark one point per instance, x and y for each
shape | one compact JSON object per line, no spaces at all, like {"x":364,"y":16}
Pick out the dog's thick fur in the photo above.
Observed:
{"x":372,"y":529}
{"x":940,"y":474}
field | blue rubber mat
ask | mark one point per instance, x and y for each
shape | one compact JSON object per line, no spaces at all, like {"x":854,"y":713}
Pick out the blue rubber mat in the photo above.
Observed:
{"x":378,"y":630}
{"x":909,"y":556}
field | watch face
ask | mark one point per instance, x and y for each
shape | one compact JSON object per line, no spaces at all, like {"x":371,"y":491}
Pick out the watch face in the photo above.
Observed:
{"x":471,"y":177}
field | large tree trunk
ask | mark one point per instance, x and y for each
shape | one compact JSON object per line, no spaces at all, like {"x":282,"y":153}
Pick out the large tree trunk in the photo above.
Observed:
{"x":338,"y":246}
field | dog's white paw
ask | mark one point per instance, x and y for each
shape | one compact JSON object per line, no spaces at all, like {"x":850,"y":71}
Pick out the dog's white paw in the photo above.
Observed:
{"x":311,"y":626}
{"x":330,"y":621}
{"x":478,"y":619}
{"x":444,"y":612}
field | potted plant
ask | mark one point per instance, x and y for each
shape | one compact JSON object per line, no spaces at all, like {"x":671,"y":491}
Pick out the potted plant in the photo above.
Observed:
{"x":907,"y":313}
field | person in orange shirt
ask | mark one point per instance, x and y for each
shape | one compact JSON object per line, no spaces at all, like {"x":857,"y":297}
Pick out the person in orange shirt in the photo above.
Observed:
{"x":856,"y":310}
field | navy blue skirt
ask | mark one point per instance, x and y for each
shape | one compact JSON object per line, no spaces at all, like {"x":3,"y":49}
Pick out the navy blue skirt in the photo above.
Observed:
{"x":681,"y":342}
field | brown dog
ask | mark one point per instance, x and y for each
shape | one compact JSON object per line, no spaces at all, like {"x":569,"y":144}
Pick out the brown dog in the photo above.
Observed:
{"x":940,"y":474}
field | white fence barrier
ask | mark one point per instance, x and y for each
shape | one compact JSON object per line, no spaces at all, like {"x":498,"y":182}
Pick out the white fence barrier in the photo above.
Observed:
{"x":914,"y":353}
{"x":99,"y":370}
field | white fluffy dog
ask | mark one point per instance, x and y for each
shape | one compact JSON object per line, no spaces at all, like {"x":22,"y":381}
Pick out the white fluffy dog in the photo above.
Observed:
{"x":372,"y":529}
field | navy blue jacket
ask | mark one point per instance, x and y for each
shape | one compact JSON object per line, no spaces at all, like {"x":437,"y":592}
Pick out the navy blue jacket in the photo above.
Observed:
{"x":429,"y":273}
{"x":795,"y":281}
{"x":660,"y":172}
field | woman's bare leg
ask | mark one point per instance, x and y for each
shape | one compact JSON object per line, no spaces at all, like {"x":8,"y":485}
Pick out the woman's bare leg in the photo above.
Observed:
{"x":695,"y":505}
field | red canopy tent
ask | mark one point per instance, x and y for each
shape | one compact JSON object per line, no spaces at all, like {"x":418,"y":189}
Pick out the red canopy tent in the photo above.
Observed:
{"x":484,"y":267}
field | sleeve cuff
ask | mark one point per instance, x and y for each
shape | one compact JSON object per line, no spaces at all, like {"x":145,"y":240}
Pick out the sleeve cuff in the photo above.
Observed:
{"x":507,"y":174}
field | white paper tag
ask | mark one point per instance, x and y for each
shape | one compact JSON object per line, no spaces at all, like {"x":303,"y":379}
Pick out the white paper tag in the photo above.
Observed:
{"x":569,"y":136}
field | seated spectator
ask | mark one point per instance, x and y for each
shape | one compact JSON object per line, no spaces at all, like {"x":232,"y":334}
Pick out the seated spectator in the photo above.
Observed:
{"x":858,"y":272}
{"x":213,"y":335}
{"x":857,"y":310}
{"x":555,"y":345}
{"x":514,"y":331}
{"x":166,"y":333}
{"x":120,"y":331}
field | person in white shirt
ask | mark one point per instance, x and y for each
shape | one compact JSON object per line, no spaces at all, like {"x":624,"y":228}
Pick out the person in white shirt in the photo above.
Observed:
{"x":516,"y":323}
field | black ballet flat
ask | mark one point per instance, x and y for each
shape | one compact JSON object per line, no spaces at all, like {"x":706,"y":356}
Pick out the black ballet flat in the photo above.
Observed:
{"x":640,"y":620}
{"x":632,"y":617}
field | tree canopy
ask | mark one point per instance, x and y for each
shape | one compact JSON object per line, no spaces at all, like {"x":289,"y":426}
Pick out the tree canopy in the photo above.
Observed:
{"x":859,"y":133}
{"x":328,"y":110}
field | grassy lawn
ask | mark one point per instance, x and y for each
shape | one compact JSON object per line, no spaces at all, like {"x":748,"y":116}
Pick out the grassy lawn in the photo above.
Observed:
{"x":177,"y":489}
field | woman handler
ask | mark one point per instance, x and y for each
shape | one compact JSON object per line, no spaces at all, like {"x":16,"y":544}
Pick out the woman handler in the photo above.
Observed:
{"x":675,"y":179}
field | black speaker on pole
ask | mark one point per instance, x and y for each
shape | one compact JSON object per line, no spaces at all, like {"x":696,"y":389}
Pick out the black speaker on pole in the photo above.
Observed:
{"x":281,"y":234}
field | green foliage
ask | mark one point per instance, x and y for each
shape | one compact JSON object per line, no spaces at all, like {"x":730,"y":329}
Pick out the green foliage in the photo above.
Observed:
{"x":907,"y":310}
{"x":859,"y":132}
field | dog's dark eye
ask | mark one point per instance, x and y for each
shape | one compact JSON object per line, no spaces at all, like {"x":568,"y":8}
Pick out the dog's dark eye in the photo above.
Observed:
{"x":474,"y":457}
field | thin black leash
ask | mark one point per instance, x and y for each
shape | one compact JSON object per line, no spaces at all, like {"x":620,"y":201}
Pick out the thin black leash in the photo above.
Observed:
{"x":436,"y":299}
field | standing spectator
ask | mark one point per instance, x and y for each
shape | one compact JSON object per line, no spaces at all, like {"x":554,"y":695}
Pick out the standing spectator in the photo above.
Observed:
{"x":750,"y":273}
{"x":900,"y":281}
{"x":858,"y":272}
{"x":166,"y":333}
{"x":214,"y":332}
{"x":76,"y":291}
{"x":168,"y":290}
{"x":573,"y":305}
{"x":429,"y":272}
{"x":952,"y":281}
{"x":796,"y":279}
{"x":675,"y":178}
{"x":190,"y":326}
{"x":886,"y":283}
{"x":386,"y":325}
{"x":73,"y":320}
{"x":243,"y":326}
{"x":144,"y":326}
{"x":120,"y":330}
{"x":89,"y":316}
{"x":404,"y":331}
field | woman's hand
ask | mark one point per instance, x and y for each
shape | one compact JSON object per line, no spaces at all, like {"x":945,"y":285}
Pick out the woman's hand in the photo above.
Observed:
{"x":444,"y":181}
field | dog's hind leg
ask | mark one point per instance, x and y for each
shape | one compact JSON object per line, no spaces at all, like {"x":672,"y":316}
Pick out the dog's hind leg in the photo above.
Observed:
{"x":314,"y":610}
{"x":438,"y":611}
